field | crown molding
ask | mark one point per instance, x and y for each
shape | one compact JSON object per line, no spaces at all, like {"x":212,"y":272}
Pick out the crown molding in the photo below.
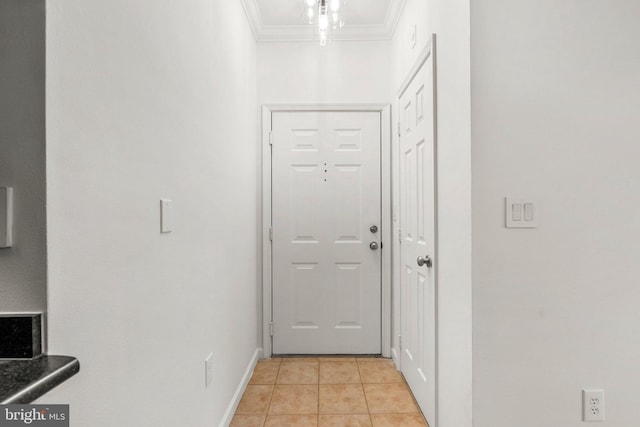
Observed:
{"x":393,"y":16}
{"x":253,"y":16}
{"x":289,"y":33}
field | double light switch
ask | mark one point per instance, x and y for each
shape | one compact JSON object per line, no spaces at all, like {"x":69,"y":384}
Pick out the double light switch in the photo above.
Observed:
{"x":520,"y":213}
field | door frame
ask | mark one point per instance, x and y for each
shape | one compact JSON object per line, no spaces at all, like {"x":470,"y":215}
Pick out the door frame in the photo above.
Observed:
{"x":385,"y":226}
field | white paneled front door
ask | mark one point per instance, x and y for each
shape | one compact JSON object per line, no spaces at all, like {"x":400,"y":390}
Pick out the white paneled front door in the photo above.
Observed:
{"x":326,"y":194}
{"x":417,"y":224}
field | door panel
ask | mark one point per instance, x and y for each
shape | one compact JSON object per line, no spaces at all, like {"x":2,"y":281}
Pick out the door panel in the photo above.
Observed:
{"x":417,"y":224}
{"x":306,"y":280}
{"x":348,"y":295}
{"x":326,"y":193}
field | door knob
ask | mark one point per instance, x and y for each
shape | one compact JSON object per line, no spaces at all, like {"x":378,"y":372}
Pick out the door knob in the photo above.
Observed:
{"x":373,"y":246}
{"x":373,"y":228}
{"x":426,"y":260}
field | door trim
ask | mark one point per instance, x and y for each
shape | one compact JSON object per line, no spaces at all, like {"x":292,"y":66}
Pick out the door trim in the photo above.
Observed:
{"x":385,"y":226}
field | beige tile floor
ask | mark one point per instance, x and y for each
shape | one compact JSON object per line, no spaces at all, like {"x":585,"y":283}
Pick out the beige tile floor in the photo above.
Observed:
{"x":327,"y":392}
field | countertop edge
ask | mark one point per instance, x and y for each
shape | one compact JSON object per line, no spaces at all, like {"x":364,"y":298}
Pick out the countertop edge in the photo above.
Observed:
{"x":41,"y":386}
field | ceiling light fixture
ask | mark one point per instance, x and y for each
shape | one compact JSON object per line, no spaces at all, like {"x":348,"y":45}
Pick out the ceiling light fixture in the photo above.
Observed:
{"x":323,"y":9}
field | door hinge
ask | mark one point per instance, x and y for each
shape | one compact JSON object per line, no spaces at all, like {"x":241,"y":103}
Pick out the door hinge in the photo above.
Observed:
{"x":399,"y":134}
{"x":270,"y":137}
{"x":400,"y":342}
{"x":271,"y":234}
{"x":400,"y":235}
{"x":271,"y":328}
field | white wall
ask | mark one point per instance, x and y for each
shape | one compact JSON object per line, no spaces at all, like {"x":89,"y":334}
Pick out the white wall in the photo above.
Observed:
{"x":307,"y":73}
{"x":555,"y":117}
{"x":23,"y":267}
{"x":449,"y":19}
{"x":151,"y":99}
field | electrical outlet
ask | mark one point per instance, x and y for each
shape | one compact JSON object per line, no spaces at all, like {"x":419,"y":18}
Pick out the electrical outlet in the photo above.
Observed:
{"x":592,"y":405}
{"x":208,"y":370}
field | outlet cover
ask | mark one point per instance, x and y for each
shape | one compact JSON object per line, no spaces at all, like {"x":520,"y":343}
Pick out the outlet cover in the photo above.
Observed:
{"x":593,"y":405}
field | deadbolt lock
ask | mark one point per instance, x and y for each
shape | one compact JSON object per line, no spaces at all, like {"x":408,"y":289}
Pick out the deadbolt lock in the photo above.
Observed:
{"x":373,"y":228}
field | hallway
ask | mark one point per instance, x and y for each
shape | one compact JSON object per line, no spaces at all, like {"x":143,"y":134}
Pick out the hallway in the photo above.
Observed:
{"x":133,"y":136}
{"x":151,"y":162}
{"x":327,"y":391}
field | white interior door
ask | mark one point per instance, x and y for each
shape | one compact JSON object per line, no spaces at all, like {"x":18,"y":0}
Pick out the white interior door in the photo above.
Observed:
{"x":417,"y":225}
{"x":326,"y":194}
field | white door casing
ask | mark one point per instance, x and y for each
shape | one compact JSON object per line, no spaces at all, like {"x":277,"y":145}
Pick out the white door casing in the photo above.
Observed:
{"x":265,"y":255}
{"x":326,"y":194}
{"x":418,"y":261}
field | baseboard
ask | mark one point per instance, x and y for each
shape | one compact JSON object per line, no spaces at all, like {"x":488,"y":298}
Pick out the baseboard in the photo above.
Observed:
{"x":395,"y":357}
{"x":235,"y":401}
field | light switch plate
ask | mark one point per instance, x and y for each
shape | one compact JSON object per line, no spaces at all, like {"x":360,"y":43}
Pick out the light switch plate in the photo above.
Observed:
{"x":414,"y":37}
{"x":208,"y":370}
{"x":520,"y":213}
{"x":6,"y":217}
{"x":166,"y":216}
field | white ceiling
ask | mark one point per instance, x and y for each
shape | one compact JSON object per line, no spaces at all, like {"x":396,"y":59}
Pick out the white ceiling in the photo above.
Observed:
{"x":283,"y":20}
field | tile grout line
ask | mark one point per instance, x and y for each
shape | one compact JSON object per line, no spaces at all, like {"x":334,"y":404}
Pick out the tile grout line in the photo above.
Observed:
{"x":273,"y":391}
{"x":366,"y":401}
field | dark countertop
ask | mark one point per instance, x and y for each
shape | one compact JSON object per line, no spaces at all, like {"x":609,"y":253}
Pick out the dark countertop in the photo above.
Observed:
{"x":23,"y":381}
